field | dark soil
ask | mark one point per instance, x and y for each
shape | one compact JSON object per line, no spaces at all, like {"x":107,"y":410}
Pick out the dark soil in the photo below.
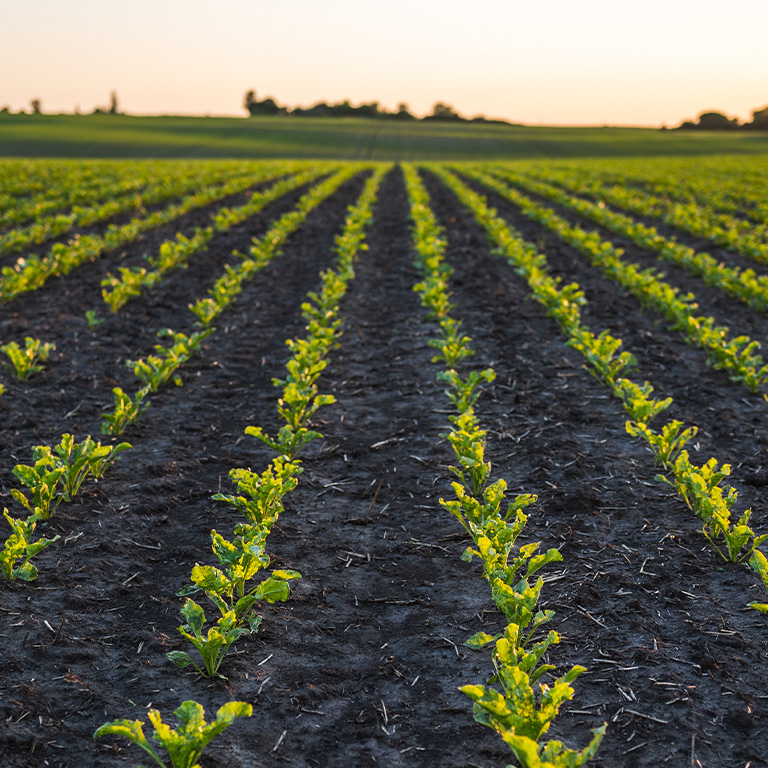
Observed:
{"x":362,"y":665}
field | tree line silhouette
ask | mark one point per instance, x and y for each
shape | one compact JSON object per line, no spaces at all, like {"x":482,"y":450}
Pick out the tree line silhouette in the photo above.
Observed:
{"x":716,"y":121}
{"x":269,"y":106}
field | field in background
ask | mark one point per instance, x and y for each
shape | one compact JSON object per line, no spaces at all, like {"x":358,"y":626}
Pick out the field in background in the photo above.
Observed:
{"x":343,"y":138}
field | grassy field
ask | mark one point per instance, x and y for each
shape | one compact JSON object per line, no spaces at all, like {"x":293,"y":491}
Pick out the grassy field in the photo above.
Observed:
{"x":344,"y":138}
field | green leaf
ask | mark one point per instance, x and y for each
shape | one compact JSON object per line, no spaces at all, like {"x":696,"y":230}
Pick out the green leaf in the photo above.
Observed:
{"x":131,"y":730}
{"x":179,"y":658}
{"x":286,"y":574}
{"x":273,"y":590}
{"x":194,"y":615}
{"x":480,"y":640}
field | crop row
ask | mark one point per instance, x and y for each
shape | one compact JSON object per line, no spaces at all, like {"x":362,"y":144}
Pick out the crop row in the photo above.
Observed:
{"x":737,"y":356}
{"x":175,"y":253}
{"x":22,"y":181}
{"x":42,"y":478}
{"x":730,"y":185}
{"x":744,"y":237}
{"x":79,"y":191}
{"x":161,"y":189}
{"x":743,"y":284}
{"x":520,"y":714}
{"x":229,"y":586}
{"x":701,"y":487}
{"x":29,"y":274}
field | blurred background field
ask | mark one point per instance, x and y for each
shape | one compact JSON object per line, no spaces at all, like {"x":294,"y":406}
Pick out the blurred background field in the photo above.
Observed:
{"x":123,"y":136}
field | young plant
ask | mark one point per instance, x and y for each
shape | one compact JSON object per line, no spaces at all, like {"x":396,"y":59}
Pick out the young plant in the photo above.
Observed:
{"x":42,"y":479}
{"x":127,"y":411}
{"x":468,"y":443}
{"x":80,"y":459}
{"x":93,"y":320}
{"x":158,"y":369}
{"x":638,"y":402}
{"x":759,"y":562}
{"x":453,"y":345}
{"x":465,"y":391}
{"x":700,"y":488}
{"x":521,"y":718}
{"x":667,"y":444}
{"x":288,"y":442}
{"x":260,"y":495}
{"x":184,"y":744}
{"x":19,"y":546}
{"x":600,"y":352}
{"x":213,"y":645}
{"x":25,"y":362}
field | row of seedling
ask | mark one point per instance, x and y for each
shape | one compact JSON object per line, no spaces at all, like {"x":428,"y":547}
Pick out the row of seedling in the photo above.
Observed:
{"x":732,"y":232}
{"x":743,"y":284}
{"x":30,"y":273}
{"x":57,"y":224}
{"x":231,"y":587}
{"x":175,"y":253}
{"x":154,"y":371}
{"x":230,"y":284}
{"x":55,"y":476}
{"x":701,"y":487}
{"x":76,"y":190}
{"x":161,"y":367}
{"x":734,"y":185}
{"x":509,"y":703}
{"x":27,"y":184}
{"x":737,"y":356}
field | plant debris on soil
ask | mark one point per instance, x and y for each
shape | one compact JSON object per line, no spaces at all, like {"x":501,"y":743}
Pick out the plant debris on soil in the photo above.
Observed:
{"x":363,"y":664}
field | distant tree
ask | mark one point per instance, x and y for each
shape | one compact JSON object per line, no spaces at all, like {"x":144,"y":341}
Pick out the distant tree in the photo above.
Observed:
{"x":250,"y":102}
{"x":36,"y":107}
{"x":443,"y":112}
{"x":710,"y":121}
{"x":5,"y":110}
{"x":113,"y":109}
{"x":267,"y":107}
{"x":403,"y":112}
{"x":716,"y":121}
{"x":759,"y":120}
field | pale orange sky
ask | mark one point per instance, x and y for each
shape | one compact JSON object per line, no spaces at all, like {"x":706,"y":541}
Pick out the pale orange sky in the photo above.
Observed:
{"x":549,"y":62}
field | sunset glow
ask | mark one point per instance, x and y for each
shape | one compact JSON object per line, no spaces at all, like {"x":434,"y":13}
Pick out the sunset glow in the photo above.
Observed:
{"x":554,"y":62}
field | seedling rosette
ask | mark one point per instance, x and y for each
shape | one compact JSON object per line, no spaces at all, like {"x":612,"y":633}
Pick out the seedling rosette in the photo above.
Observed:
{"x":760,"y":565}
{"x":20,"y":546}
{"x":25,"y":362}
{"x":184,"y":744}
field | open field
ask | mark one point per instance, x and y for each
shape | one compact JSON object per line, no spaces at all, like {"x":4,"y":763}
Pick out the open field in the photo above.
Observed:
{"x":354,"y":138}
{"x":579,"y":261}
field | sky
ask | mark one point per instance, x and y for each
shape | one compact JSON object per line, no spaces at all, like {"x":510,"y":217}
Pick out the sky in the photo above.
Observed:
{"x":551,"y":62}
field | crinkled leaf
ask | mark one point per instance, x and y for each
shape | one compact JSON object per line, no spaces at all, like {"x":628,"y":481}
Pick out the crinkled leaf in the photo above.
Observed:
{"x":480,"y":640}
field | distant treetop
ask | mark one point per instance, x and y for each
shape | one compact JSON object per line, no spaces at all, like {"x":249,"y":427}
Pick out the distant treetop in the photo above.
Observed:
{"x":269,"y":106}
{"x":716,"y":121}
